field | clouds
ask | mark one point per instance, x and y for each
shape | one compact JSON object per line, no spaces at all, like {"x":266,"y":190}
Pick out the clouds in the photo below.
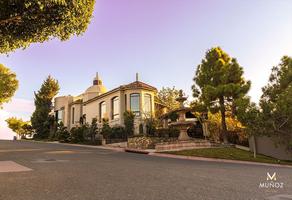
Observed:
{"x":18,"y":107}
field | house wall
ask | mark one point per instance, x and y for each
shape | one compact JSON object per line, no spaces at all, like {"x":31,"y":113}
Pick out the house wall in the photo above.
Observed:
{"x":140,"y":119}
{"x":77,"y":115}
{"x":267,"y":146}
{"x":64,"y":102}
{"x":92,"y":109}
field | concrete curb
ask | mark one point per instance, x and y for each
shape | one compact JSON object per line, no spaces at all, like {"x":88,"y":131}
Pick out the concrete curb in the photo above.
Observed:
{"x":217,"y":160}
{"x":136,"y":151}
{"x":80,"y":145}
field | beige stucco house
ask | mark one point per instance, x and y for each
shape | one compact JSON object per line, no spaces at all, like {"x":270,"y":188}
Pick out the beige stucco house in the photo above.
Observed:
{"x":97,"y":102}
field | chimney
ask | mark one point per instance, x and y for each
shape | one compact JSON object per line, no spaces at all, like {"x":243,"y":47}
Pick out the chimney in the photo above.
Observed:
{"x":137,"y":77}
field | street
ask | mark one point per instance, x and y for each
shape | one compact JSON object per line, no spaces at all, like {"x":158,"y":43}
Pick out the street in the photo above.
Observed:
{"x":63,"y":172}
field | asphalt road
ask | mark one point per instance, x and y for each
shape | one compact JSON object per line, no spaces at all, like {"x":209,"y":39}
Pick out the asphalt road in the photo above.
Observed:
{"x":62,"y":172}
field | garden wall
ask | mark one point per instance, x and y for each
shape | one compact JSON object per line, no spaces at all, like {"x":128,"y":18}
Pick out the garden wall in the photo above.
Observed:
{"x":266,"y":146}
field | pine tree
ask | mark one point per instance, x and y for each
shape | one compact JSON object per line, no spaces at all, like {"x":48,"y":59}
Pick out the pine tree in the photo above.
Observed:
{"x":218,"y":83}
{"x":43,"y":104}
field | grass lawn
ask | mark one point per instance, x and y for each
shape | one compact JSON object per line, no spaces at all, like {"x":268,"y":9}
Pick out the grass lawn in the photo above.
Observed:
{"x":230,"y":153}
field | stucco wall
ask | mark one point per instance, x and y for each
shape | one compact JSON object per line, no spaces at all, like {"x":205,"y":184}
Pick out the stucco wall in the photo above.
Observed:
{"x":63,"y":103}
{"x":92,"y":108}
{"x":77,"y":115}
{"x":266,"y":146}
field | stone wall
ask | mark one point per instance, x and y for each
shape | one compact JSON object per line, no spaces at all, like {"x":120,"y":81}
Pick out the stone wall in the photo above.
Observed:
{"x":143,"y":142}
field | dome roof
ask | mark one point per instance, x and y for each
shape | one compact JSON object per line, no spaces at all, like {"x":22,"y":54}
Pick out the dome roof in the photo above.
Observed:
{"x":96,"y":89}
{"x":97,"y":86}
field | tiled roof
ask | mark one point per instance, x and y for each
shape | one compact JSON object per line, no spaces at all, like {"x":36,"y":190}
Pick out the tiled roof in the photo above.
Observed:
{"x":138,"y":85}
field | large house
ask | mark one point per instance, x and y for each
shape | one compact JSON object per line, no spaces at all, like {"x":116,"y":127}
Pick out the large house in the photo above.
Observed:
{"x":97,"y":102}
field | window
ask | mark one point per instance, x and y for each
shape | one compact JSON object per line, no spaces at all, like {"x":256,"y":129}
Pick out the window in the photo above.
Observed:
{"x":73,"y":113}
{"x":147,"y":105}
{"x":115,"y":108}
{"x":59,"y":116}
{"x":135,"y":104}
{"x":102,"y":111}
{"x":126,"y":103}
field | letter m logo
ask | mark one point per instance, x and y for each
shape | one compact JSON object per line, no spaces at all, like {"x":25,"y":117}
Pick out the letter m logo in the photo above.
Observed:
{"x":271,"y":178}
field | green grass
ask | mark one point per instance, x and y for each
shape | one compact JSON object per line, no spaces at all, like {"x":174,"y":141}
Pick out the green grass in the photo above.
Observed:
{"x":229,"y":153}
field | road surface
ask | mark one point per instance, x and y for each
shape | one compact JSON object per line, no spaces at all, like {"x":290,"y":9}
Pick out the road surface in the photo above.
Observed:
{"x":44,"y":171}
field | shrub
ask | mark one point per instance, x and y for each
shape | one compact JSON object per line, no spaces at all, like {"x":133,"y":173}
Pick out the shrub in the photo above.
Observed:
{"x":151,"y":125}
{"x":236,"y":133}
{"x":141,"y":129}
{"x":129,"y":122}
{"x":167,"y":133}
{"x":106,"y":130}
{"x":78,"y":133}
{"x":92,"y":131}
{"x":63,"y":135}
{"x":118,"y":132}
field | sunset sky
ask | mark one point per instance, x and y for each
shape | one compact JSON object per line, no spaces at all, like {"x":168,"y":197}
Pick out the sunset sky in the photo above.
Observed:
{"x":163,"y":40}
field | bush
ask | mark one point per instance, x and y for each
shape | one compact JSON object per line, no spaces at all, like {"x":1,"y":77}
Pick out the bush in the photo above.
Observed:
{"x":141,"y":129}
{"x":78,"y":134}
{"x":129,"y":123}
{"x":236,"y":133}
{"x":151,"y":125}
{"x":235,"y":137}
{"x":118,"y":132}
{"x":106,"y":130}
{"x":63,"y":136}
{"x":167,"y":133}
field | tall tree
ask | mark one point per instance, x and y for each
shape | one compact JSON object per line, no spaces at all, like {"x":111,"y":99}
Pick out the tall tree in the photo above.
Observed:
{"x":23,"y":22}
{"x":8,"y":84}
{"x":41,"y":120}
{"x":276,"y":101}
{"x":219,"y":82}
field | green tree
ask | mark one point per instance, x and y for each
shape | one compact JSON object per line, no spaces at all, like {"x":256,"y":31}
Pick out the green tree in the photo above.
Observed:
{"x":129,"y":123}
{"x":218,"y":83}
{"x":8,"y":84}
{"x":20,"y":127}
{"x":41,"y":119}
{"x":93,"y":130}
{"x":167,"y":96}
{"x":23,"y":22}
{"x":276,"y":101}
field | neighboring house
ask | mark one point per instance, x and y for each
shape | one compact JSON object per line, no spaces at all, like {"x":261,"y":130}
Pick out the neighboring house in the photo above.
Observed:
{"x":97,"y":102}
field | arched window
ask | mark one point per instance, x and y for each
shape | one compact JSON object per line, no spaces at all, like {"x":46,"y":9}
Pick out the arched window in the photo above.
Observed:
{"x":102,"y":111}
{"x":135,"y":103}
{"x":147,"y":105}
{"x":115,"y":108}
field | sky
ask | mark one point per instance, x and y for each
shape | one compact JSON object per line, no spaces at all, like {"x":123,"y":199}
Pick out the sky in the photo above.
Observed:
{"x":162,"y":40}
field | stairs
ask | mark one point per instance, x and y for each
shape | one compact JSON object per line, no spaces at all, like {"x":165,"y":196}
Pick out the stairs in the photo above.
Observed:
{"x":182,"y":145}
